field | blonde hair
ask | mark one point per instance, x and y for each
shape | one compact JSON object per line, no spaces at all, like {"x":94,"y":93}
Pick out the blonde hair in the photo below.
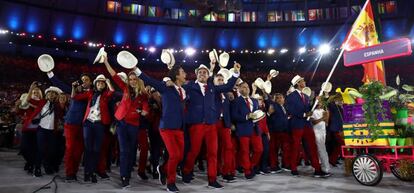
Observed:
{"x":40,"y":92}
{"x":140,"y":89}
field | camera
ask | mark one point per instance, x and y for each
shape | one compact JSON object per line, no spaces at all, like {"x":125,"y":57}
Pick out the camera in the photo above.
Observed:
{"x":78,"y":83}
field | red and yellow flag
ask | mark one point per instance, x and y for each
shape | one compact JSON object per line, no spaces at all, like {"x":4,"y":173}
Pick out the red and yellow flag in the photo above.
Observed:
{"x":363,"y":34}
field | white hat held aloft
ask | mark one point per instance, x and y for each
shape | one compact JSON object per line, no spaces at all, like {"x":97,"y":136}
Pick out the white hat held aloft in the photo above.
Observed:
{"x":45,"y":63}
{"x":126,"y":59}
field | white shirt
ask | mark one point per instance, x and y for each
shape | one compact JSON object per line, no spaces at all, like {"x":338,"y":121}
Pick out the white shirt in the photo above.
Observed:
{"x":251,"y":103}
{"x":300,"y":92}
{"x":203,"y":91}
{"x":283,"y":109}
{"x":48,"y":121}
{"x":222,"y":101}
{"x":182,"y":90}
{"x":95,"y":111}
{"x":318,"y":114}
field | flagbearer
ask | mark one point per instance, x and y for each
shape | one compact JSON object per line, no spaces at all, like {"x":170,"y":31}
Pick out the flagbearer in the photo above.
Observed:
{"x":298,"y":107}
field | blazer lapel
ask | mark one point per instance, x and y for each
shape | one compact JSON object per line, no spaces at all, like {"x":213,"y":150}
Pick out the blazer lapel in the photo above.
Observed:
{"x":197,"y":87}
{"x":245,"y":104}
{"x":300,"y":97}
{"x":176,"y":93}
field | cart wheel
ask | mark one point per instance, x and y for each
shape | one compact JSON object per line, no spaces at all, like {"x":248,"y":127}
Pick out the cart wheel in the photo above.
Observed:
{"x":366,"y":170}
{"x":403,"y":170}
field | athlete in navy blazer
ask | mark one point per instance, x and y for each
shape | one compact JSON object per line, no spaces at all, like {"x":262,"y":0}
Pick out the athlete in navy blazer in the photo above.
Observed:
{"x":298,"y":108}
{"x":239,"y":112}
{"x":172,"y":107}
{"x":172,"y":122}
{"x":223,"y":109}
{"x":202,"y":117}
{"x":278,"y":122}
{"x":202,"y":109}
{"x":248,"y":132}
{"x":225,"y":146}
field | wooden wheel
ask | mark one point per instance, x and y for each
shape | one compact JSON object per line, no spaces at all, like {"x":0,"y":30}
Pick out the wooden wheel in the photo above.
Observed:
{"x":403,"y":170}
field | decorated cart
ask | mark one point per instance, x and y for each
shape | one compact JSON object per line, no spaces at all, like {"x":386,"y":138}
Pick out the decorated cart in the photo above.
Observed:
{"x":377,"y":137}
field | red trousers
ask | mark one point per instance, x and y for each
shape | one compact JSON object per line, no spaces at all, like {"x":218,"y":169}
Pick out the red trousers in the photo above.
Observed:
{"x":143,"y":147}
{"x":247,"y":162}
{"x":103,"y":157}
{"x":198,"y":134}
{"x":309,"y":136}
{"x":226,"y":150}
{"x":174,"y":142}
{"x":336,"y":150}
{"x":279,"y":141}
{"x":74,"y":148}
{"x":236,"y":153}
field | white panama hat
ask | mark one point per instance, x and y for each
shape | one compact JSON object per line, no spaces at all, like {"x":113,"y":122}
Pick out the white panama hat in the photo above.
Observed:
{"x":296,"y":79}
{"x":224,"y":59}
{"x":100,"y":56}
{"x":45,"y":63}
{"x":126,"y":59}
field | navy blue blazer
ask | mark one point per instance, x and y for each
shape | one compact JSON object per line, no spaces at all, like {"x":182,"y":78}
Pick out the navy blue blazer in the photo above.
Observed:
{"x":223,"y":106}
{"x":239,"y":112}
{"x":76,"y":110}
{"x":278,"y":120}
{"x":296,"y":108}
{"x":172,"y":116}
{"x":202,"y":109}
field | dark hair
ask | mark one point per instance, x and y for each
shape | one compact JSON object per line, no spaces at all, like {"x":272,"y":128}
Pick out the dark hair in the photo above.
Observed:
{"x":85,"y":74}
{"x":278,"y":94}
{"x":295,"y":86}
{"x":173,"y":73}
{"x":216,"y":75}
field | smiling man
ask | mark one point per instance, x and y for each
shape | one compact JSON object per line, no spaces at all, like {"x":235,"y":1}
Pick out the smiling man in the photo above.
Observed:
{"x":202,"y":117}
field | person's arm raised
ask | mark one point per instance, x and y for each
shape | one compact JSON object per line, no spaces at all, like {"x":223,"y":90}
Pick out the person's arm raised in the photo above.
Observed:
{"x":109,"y":67}
{"x":157,"y":85}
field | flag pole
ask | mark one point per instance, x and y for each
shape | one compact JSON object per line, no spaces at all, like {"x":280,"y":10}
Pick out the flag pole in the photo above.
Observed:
{"x":337,"y":60}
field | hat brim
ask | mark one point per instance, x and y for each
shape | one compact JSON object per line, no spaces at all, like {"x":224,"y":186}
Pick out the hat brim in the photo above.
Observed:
{"x":126,"y":59}
{"x":215,"y":55}
{"x":307,"y":91}
{"x":259,"y":115}
{"x":96,"y":80}
{"x":328,"y":87}
{"x":203,"y":67}
{"x":45,"y":63}
{"x":225,"y":73}
{"x":297,"y":81}
{"x":259,"y":83}
{"x":98,"y":57}
{"x":267,"y":86}
{"x":224,"y":59}
{"x":54,"y":90}
{"x":274,"y":73}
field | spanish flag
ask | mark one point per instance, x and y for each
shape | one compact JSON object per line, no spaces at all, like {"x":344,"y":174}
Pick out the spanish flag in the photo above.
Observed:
{"x":363,"y":34}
